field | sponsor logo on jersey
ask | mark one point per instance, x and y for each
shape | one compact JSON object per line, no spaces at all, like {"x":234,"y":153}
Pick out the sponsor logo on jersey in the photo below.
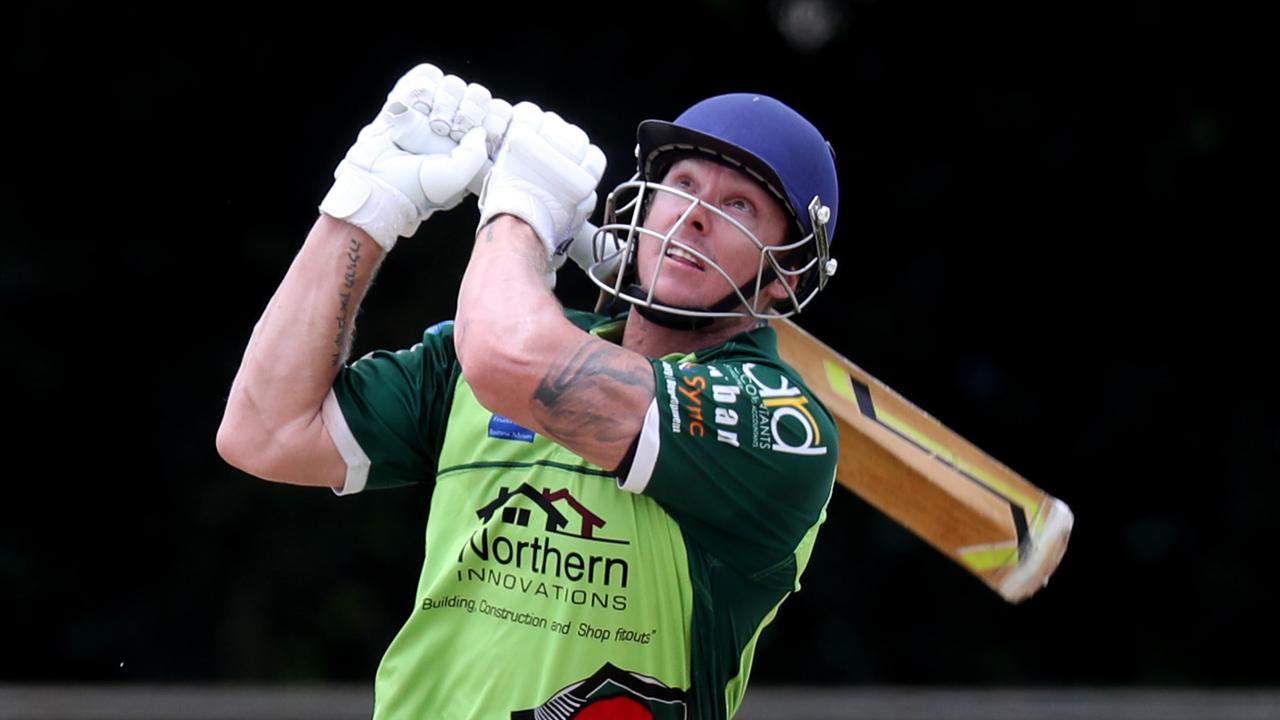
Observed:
{"x":614,"y":694}
{"x":673,"y":401}
{"x":785,"y":403}
{"x":691,"y":388}
{"x":772,"y":408}
{"x":560,"y":512}
{"x":504,"y":428}
{"x":530,"y":544}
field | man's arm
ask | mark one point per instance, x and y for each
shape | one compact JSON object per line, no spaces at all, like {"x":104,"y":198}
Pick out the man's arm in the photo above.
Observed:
{"x":525,"y":360}
{"x":520,"y":355}
{"x":418,"y":156}
{"x":272,"y":426}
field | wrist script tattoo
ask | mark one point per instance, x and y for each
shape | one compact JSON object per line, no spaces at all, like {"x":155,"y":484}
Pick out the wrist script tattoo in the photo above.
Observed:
{"x":342,"y":338}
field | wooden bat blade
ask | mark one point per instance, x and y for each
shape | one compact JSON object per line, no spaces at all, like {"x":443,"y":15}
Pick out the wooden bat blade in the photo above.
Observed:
{"x":990,"y":520}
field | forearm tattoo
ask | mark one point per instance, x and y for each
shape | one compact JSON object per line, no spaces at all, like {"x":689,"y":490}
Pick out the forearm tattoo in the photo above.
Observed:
{"x":578,"y":397}
{"x":342,"y":338}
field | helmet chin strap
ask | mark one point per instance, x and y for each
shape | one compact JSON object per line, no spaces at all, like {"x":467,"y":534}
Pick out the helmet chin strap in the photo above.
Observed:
{"x":677,"y":321}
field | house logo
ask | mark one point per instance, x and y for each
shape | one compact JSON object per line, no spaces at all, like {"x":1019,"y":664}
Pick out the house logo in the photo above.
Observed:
{"x":612,"y":694}
{"x":547,"y":544}
{"x":558,"y":512}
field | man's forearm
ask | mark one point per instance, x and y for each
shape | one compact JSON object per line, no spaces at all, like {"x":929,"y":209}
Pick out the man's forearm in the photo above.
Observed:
{"x":508,"y":323}
{"x":526,"y":361}
{"x":503,"y":294}
{"x":304,"y":335}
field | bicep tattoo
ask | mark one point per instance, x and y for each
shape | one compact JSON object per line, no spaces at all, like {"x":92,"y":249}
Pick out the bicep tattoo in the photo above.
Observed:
{"x":578,"y":401}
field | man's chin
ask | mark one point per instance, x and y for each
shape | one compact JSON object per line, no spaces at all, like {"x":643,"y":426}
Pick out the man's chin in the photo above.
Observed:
{"x":714,"y":323}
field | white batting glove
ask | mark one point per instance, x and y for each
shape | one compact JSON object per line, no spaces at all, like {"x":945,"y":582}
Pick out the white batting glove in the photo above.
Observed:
{"x":430,"y":143}
{"x":545,"y":173}
{"x":446,"y":107}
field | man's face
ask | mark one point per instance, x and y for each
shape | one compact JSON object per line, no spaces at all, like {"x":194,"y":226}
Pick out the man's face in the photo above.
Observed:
{"x":686,"y":280}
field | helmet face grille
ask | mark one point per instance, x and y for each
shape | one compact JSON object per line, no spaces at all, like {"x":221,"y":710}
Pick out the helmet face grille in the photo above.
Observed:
{"x":772,"y":142}
{"x":617,"y":242}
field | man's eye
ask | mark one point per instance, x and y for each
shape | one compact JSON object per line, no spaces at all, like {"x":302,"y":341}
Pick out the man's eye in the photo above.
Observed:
{"x":740,"y":205}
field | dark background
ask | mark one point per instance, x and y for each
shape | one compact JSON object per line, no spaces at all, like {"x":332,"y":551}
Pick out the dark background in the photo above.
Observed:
{"x":1045,"y":241}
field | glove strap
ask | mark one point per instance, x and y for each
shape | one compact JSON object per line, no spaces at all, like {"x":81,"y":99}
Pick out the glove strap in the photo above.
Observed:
{"x":371,"y":205}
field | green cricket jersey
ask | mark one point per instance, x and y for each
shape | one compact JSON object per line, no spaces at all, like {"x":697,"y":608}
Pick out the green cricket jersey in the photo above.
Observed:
{"x":552,"y":589}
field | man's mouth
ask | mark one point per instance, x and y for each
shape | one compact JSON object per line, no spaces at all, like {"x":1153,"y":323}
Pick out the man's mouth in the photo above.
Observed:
{"x":684,"y":258}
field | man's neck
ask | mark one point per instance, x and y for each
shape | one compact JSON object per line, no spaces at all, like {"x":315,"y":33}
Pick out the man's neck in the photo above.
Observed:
{"x":652,"y":340}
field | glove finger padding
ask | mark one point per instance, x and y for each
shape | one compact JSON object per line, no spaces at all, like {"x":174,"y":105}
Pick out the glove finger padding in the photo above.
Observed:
{"x":471,"y":110}
{"x":444,"y":105}
{"x":539,"y":179}
{"x":570,"y":140}
{"x":527,"y":114}
{"x":496,"y":121}
{"x":417,"y":88}
{"x":411,"y":131}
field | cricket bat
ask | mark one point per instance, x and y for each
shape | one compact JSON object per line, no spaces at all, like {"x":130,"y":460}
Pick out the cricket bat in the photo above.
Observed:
{"x":902,"y":461}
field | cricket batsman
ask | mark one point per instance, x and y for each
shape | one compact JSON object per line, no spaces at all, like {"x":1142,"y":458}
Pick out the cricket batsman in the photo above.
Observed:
{"x":620,"y":502}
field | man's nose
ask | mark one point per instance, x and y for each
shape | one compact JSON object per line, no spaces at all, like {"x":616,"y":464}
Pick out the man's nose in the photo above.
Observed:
{"x":700,"y":218}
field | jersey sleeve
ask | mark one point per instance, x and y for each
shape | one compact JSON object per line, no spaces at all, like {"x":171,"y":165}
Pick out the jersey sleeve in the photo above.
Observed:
{"x":741,"y":455}
{"x":387,"y":412}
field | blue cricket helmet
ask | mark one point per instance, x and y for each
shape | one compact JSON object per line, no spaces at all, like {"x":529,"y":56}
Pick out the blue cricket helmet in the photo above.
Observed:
{"x":774,"y":143}
{"x":767,"y":141}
